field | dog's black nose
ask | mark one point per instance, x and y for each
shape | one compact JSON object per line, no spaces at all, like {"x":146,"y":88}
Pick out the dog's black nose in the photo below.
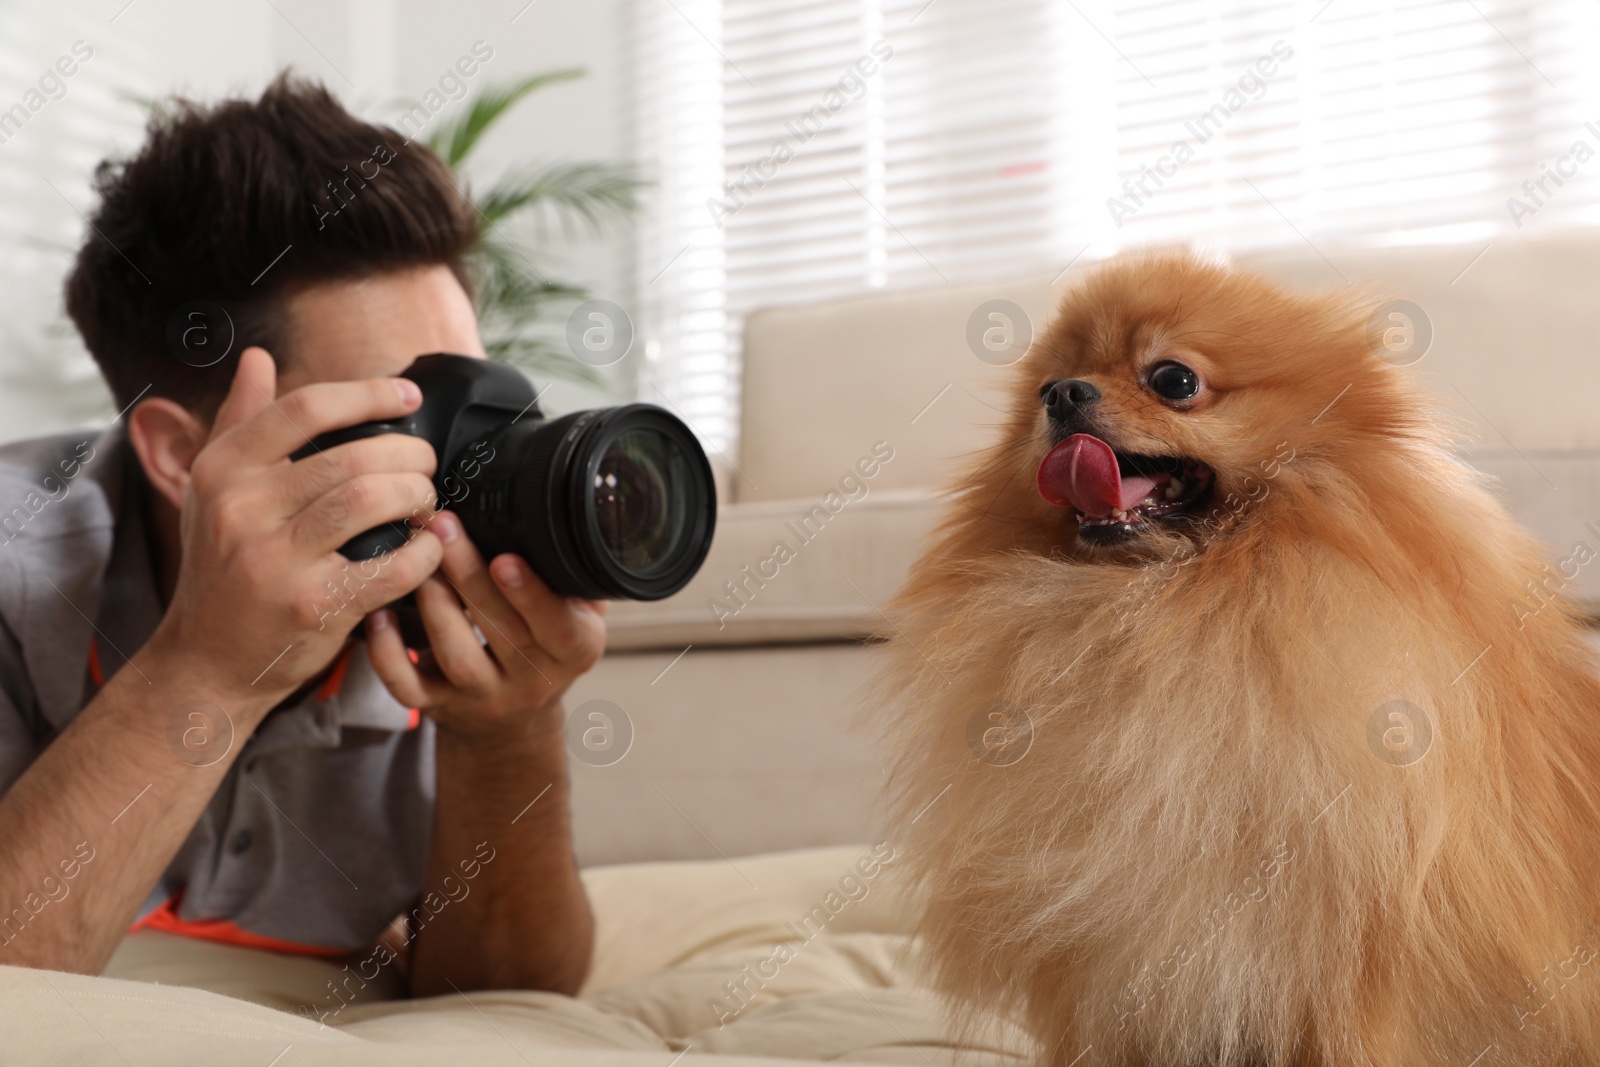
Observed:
{"x":1063,"y":399}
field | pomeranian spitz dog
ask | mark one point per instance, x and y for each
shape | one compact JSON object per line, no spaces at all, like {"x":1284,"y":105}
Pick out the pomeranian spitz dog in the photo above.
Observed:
{"x":1229,"y":733}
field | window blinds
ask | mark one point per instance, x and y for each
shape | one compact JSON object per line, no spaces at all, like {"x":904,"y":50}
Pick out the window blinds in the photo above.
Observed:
{"x":807,"y":150}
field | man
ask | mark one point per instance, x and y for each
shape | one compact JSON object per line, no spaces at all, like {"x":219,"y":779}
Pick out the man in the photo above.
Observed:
{"x":192,"y":737}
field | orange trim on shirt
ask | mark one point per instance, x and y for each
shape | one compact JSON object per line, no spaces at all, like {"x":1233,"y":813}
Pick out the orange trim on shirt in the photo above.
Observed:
{"x":335,"y":680}
{"x":96,"y":675}
{"x":165,"y":919}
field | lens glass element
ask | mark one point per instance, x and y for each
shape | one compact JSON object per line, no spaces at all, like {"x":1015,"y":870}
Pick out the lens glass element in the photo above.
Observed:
{"x":643,"y":501}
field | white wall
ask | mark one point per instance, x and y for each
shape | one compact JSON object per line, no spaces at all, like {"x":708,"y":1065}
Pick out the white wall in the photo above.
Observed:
{"x":373,"y":53}
{"x":582,"y":120}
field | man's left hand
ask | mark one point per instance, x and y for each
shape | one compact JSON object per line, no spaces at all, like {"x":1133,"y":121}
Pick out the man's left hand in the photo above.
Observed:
{"x":538,"y":642}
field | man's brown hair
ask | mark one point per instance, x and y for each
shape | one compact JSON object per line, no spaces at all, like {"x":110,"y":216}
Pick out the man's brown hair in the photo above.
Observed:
{"x":237,"y":206}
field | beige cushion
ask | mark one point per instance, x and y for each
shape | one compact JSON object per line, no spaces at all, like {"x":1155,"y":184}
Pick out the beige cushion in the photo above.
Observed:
{"x":733,"y":751}
{"x":686,"y":971}
{"x":1556,"y":495}
{"x":1515,"y":328}
{"x":823,"y":383}
{"x":850,"y":562}
{"x":1514,"y":350}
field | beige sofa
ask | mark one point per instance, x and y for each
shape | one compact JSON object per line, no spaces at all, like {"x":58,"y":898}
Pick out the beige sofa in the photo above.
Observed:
{"x":759,"y":736}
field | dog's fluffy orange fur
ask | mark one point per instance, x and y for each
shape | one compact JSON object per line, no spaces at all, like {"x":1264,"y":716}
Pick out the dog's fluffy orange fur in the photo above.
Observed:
{"x":1202,"y":858}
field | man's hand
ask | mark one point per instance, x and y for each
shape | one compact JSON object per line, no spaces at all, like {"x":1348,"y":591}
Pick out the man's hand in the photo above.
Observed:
{"x":538,"y":642}
{"x":263,"y":597}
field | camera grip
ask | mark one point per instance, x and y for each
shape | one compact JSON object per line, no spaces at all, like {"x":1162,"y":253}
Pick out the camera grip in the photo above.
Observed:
{"x":375,"y":542}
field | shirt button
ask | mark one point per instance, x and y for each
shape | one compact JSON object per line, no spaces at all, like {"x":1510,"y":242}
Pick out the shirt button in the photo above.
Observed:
{"x":250,"y":765}
{"x":242,"y":841}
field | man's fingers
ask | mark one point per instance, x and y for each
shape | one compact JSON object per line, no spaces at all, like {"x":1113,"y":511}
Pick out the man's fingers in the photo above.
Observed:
{"x":255,"y":383}
{"x":306,"y":480}
{"x":503,"y":627}
{"x":356,"y":505}
{"x":392,"y":663}
{"x":572,"y":631}
{"x":287,"y":424}
{"x":457,"y":652}
{"x":364,"y":586}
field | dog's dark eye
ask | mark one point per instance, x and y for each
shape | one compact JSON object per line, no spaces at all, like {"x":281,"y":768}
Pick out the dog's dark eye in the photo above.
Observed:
{"x":1174,"y":381}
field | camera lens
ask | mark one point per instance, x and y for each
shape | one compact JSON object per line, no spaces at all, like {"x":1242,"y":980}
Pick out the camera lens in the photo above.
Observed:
{"x":607,"y":504}
{"x":641,"y":501}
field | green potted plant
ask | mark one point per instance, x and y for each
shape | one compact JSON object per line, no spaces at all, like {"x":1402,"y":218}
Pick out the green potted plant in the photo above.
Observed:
{"x":517,"y":298}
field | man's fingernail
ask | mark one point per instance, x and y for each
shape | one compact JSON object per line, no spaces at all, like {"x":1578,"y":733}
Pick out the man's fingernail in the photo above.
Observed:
{"x":446,"y":526}
{"x":508,"y":572}
{"x":409,"y":393}
{"x":380,"y":620}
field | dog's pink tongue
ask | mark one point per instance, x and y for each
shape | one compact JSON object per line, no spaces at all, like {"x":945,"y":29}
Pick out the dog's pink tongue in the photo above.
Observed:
{"x":1081,"y":472}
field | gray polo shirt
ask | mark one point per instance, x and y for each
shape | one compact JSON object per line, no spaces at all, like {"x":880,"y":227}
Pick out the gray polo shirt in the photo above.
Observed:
{"x":318,"y":836}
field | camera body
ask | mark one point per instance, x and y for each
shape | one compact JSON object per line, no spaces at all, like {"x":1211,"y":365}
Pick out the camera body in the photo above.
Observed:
{"x":608,"y":503}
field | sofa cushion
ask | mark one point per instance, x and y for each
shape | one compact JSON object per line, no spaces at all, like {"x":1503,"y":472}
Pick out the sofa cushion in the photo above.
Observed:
{"x":822,"y":384}
{"x":1514,"y":326}
{"x":1556,"y":495}
{"x":793,"y":570}
{"x":724,"y":751}
{"x":1513,"y":330}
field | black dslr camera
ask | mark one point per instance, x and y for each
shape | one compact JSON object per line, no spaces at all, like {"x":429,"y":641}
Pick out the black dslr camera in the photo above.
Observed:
{"x":610,"y":503}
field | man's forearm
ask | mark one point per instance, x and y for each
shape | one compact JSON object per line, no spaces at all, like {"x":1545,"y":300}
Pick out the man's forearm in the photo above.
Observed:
{"x":521,"y":920}
{"x":112,"y":788}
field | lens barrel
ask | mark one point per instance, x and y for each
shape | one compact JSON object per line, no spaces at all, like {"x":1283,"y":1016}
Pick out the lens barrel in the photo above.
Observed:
{"x":610,"y":503}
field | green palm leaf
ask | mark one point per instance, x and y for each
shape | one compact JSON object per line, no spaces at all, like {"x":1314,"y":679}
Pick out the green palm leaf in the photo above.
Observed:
{"x":455,"y":140}
{"x":509,"y":289}
{"x":521,"y":308}
{"x":595,"y":193}
{"x":544,"y":358}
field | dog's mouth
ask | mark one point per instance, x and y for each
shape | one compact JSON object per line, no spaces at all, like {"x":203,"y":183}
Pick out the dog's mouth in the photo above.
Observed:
{"x":1115,"y":494}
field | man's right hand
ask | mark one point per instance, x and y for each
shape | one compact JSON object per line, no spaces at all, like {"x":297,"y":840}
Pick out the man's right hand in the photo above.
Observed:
{"x":263,"y":598}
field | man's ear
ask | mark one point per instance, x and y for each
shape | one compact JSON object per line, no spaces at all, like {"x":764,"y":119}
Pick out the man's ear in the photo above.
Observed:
{"x":167,"y":437}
